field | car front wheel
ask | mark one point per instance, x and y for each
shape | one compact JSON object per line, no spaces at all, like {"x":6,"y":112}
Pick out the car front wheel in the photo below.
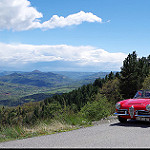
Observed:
{"x":122,"y":120}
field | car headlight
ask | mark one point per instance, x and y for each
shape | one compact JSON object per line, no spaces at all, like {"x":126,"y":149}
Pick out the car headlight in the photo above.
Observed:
{"x":117,"y":105}
{"x":148,"y":107}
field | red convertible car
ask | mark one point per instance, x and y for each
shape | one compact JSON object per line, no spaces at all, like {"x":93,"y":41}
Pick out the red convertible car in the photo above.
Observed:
{"x":137,"y":108}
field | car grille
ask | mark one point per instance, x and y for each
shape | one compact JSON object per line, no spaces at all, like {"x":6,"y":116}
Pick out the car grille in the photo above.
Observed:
{"x":122,"y":111}
{"x":142,"y":112}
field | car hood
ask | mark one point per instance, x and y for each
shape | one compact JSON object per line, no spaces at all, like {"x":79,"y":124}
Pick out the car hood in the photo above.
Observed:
{"x":138,"y":101}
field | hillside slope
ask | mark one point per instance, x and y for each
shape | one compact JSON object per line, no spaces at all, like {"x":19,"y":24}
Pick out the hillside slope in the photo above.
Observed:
{"x":37,"y":78}
{"x":21,"y":87}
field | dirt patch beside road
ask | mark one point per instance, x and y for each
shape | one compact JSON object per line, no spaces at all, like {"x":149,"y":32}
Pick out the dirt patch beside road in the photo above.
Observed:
{"x":105,"y":120}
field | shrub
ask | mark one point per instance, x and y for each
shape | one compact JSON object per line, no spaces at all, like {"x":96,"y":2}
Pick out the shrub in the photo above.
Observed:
{"x":146,"y":83}
{"x":97,"y":109}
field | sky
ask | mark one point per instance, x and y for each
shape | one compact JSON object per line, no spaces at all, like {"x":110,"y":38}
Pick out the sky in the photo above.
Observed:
{"x":72,"y":35}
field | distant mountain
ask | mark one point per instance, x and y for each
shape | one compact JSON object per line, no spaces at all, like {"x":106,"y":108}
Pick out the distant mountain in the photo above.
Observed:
{"x":74,"y":75}
{"x":3,"y":73}
{"x":37,"y":78}
{"x":82,"y":75}
{"x":95,"y":75}
{"x":21,"y":87}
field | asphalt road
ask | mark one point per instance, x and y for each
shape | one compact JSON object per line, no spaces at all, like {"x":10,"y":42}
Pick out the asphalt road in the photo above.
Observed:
{"x":112,"y":134}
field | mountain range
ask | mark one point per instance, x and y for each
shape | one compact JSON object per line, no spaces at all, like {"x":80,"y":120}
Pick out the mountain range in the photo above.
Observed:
{"x":36,"y":78}
{"x":20,"y":87}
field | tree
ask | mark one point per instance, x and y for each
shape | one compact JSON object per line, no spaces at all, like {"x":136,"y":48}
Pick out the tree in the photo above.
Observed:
{"x":143,"y":70}
{"x":111,"y":90}
{"x":133,"y":73}
{"x":146,"y":83}
{"x":117,"y":75}
{"x":128,"y":80}
{"x":111,"y":76}
{"x":98,"y":82}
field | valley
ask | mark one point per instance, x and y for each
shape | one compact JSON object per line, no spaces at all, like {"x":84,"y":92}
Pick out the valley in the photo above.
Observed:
{"x":17,"y":88}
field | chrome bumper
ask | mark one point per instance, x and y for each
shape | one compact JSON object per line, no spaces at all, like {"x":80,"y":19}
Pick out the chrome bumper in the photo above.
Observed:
{"x":122,"y":112}
{"x":117,"y":114}
{"x":138,"y":113}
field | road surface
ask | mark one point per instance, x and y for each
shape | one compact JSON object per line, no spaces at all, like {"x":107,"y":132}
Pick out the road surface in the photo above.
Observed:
{"x":112,"y":134}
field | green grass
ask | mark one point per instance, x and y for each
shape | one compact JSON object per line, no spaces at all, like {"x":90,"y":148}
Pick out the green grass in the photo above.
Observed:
{"x":45,"y":127}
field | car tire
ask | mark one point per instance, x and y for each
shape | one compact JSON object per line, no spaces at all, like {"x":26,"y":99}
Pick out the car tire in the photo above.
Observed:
{"x":122,"y":120}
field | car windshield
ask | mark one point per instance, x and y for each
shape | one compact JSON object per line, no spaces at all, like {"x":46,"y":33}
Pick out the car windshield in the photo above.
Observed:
{"x":142,"y":94}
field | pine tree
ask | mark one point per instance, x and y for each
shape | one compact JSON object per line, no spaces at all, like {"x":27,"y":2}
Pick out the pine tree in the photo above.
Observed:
{"x":128,"y":80}
{"x":111,"y":76}
{"x":133,"y":73}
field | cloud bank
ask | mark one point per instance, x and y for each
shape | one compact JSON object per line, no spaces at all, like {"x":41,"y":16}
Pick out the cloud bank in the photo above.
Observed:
{"x":19,"y":15}
{"x":81,"y":56}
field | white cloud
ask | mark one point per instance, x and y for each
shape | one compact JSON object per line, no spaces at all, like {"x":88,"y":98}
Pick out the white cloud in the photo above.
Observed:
{"x":12,"y":54}
{"x":20,"y":15}
{"x":74,"y":19}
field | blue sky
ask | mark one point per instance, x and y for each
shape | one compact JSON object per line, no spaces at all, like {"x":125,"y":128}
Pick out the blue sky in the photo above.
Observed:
{"x":72,"y":35}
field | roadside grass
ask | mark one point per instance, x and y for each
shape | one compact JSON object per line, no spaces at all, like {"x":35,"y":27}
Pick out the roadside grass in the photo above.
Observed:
{"x":61,"y":122}
{"x":44,"y":127}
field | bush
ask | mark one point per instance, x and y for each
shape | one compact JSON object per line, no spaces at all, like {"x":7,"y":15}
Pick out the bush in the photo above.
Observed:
{"x":111,"y":90}
{"x":146,"y":83}
{"x":97,"y":109}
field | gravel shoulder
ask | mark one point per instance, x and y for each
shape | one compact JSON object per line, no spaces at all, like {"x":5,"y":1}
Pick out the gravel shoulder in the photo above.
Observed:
{"x":105,"y":120}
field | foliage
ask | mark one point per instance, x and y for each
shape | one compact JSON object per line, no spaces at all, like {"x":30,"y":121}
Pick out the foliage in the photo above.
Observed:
{"x":133,"y":73}
{"x":111,"y":90}
{"x":146,"y":83}
{"x":97,"y":109}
